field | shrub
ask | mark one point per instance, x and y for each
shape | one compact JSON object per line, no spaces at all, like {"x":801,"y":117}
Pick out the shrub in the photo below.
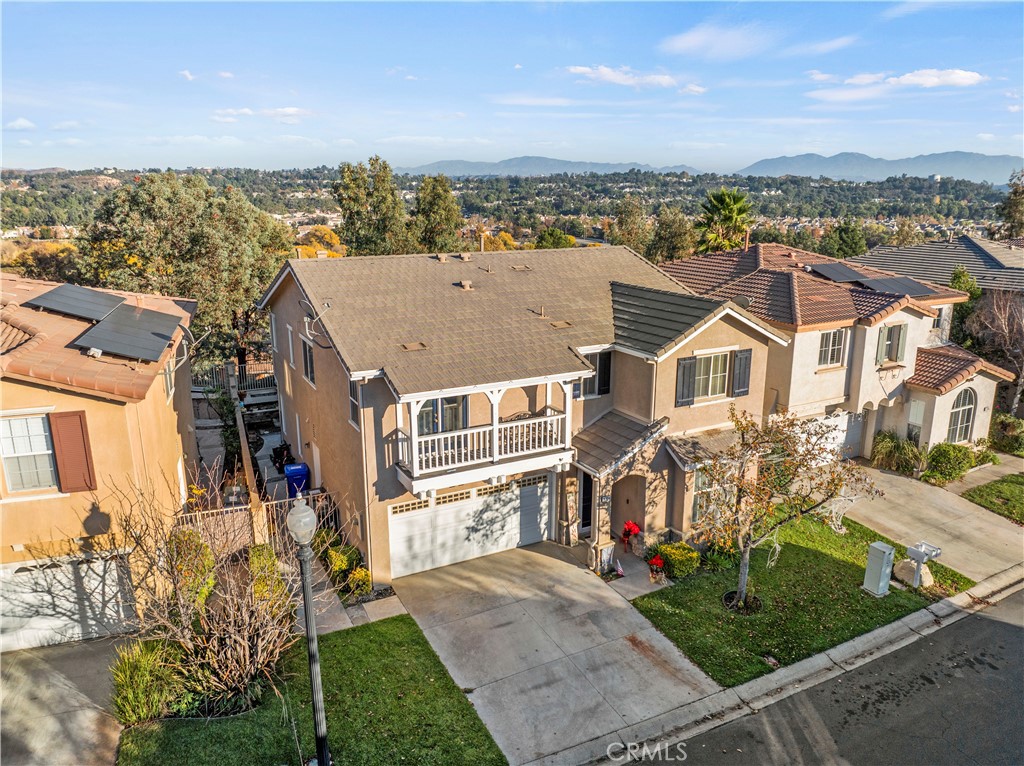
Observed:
{"x":192,"y":565}
{"x":717,"y":558}
{"x":892,"y":453}
{"x":267,"y":583}
{"x":323,"y":539}
{"x":341,"y":560}
{"x":145,"y":683}
{"x":359,"y":583}
{"x":985,"y":456}
{"x":948,"y":462}
{"x":1007,"y":434}
{"x":680,"y":559}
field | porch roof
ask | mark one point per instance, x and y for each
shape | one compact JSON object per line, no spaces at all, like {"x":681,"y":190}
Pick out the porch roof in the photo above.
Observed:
{"x":940,"y":369}
{"x":611,"y":438}
{"x":689,"y":450}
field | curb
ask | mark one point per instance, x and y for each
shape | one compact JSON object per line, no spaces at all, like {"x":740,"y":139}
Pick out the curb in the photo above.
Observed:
{"x":720,"y":708}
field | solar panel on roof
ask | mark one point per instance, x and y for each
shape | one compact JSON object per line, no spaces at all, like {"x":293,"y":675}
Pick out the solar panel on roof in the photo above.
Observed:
{"x":75,"y":301}
{"x":898,"y":286}
{"x":131,"y":332}
{"x":836,"y":272}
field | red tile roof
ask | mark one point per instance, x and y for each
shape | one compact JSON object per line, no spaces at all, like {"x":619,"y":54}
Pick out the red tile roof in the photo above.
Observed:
{"x":940,"y":369}
{"x":776,"y":280}
{"x":35,"y":345}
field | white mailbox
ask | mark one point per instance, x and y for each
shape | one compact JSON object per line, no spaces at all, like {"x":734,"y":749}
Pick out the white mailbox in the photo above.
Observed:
{"x":879,"y":569}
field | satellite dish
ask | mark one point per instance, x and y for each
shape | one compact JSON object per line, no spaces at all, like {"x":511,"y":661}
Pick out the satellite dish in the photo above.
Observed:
{"x":188,"y":343}
{"x":312,"y":317}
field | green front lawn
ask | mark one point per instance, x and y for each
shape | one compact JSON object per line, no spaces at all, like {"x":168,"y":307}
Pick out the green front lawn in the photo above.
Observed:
{"x":1004,"y":496}
{"x":812,"y":601}
{"x":389,"y":700}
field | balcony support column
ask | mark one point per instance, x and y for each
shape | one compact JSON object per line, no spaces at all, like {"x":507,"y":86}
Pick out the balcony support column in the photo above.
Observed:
{"x":494,"y":397}
{"x":567,"y":420}
{"x":414,"y":436}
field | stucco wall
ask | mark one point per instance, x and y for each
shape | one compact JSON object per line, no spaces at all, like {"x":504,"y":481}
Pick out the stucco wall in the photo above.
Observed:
{"x":632,"y":379}
{"x":870,"y":384}
{"x":937,"y":428}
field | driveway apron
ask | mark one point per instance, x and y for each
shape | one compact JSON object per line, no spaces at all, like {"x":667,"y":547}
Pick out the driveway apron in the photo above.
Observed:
{"x":549,"y":655}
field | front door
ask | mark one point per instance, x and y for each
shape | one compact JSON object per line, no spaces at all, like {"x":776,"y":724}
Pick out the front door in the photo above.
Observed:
{"x":586,"y":502}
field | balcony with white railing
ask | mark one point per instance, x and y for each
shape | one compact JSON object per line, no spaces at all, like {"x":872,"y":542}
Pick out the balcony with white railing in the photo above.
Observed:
{"x":524,"y":442}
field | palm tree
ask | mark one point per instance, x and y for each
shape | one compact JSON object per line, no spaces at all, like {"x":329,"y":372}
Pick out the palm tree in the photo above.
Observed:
{"x":724,"y":222}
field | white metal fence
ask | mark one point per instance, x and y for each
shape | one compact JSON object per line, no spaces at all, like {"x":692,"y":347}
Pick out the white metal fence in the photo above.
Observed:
{"x":256,"y":376}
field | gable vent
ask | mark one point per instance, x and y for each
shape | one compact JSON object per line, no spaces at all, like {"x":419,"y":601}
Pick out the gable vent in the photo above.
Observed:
{"x":417,"y":346}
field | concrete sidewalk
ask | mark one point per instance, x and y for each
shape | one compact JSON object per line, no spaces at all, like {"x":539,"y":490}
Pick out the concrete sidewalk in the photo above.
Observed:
{"x":974,"y":541}
{"x":1008,"y":465}
{"x":704,"y":714}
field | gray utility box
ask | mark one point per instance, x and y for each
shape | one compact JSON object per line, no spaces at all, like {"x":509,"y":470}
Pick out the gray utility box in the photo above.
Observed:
{"x":879,"y":569}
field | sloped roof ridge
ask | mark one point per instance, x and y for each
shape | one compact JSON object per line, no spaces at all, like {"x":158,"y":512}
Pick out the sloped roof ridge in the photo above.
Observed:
{"x":689,"y":295}
{"x":795,"y":298}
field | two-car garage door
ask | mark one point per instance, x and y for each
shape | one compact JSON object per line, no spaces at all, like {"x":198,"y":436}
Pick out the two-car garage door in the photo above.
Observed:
{"x":463,"y":525}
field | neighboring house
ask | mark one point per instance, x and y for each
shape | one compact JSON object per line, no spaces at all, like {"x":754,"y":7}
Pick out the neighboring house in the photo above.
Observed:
{"x":458,"y":405}
{"x":869,"y":350}
{"x":95,"y":396}
{"x":995,"y":265}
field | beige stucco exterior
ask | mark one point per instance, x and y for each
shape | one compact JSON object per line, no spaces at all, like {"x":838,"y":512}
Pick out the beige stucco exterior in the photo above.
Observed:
{"x":150,"y":443}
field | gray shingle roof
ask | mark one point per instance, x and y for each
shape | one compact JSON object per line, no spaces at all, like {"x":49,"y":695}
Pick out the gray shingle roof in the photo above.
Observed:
{"x":608,"y":439}
{"x":994,"y":265}
{"x":651,"y":321}
{"x":493,"y":333}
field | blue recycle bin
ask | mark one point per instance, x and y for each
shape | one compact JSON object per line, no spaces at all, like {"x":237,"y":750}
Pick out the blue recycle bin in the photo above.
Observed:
{"x":297,"y":477}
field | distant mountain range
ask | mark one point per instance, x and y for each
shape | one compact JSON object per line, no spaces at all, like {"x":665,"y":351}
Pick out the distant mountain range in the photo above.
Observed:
{"x":534,"y":166}
{"x":850,"y":166}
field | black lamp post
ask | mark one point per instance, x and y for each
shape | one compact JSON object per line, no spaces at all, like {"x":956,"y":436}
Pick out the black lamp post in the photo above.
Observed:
{"x":302,"y":525}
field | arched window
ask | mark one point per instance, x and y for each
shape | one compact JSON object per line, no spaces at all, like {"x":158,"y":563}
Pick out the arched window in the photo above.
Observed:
{"x":961,"y":418}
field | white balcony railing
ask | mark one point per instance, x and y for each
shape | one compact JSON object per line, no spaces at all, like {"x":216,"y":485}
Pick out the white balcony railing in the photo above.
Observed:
{"x":256,"y":376}
{"x":481,"y":444}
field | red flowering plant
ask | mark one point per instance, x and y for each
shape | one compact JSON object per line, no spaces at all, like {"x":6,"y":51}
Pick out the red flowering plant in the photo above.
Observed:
{"x":656,"y":563}
{"x":628,"y":530}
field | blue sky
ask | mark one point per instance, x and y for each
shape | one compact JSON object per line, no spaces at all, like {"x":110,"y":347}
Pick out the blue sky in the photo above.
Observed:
{"x":713,"y":85}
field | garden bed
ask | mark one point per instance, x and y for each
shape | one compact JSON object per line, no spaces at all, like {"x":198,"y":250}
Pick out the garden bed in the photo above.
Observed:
{"x":1004,"y":496}
{"x":812,"y":601}
{"x":388,"y":700}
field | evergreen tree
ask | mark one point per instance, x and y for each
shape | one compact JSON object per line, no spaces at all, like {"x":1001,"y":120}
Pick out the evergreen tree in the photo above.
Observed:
{"x":962,"y":280}
{"x":630,"y":227}
{"x":373,"y":219}
{"x":674,"y":236}
{"x":438,"y":218}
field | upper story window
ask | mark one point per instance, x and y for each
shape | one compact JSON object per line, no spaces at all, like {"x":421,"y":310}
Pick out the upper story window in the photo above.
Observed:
{"x":273,"y":331}
{"x":308,"y":370}
{"x":961,"y":417}
{"x":892,"y":344}
{"x":353,"y":402}
{"x":713,"y":375}
{"x":601,"y":383}
{"x":830,"y":351}
{"x":169,"y":378}
{"x":27,"y":449}
{"x":291,"y":347}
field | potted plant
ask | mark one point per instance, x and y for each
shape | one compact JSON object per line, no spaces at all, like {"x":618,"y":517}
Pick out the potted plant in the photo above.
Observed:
{"x":657,"y":565}
{"x":630,"y":530}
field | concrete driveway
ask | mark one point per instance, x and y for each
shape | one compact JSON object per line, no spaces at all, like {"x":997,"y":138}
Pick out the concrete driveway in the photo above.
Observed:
{"x":549,"y":655}
{"x":974,"y":541}
{"x":54,"y":703}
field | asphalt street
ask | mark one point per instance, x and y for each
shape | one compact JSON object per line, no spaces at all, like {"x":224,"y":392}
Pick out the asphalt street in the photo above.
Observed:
{"x":955,"y":697}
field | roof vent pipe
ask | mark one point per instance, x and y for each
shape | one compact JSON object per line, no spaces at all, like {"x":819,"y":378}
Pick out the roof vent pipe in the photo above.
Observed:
{"x":466,"y":284}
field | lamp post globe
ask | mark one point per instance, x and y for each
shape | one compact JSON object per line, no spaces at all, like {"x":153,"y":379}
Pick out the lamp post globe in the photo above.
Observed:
{"x":301,"y":521}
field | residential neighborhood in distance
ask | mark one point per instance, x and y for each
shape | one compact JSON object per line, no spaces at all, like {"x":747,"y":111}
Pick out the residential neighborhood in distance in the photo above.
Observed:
{"x":362,"y":406}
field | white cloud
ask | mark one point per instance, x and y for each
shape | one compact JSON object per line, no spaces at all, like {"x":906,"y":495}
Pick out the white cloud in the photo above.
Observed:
{"x":66,"y":125}
{"x":693,"y":89}
{"x":721,"y":43}
{"x":24,"y":142}
{"x":245,"y":111}
{"x":518,"y":66}
{"x":845,"y":95}
{"x":226,"y":75}
{"x":934,"y":78}
{"x":904,"y":9}
{"x":411,"y":77}
{"x":817,"y":76}
{"x":289,"y":115}
{"x":343,"y":142}
{"x":1013,"y":108}
{"x":524,"y":99}
{"x":192,"y":140}
{"x":187,"y":75}
{"x":20,"y":124}
{"x":623,"y":76}
{"x":821,"y":47}
{"x":868,"y":78}
{"x":299,"y":140}
{"x":986,"y":136}
{"x":434,"y":141}
{"x":70,"y":142}
{"x":223,"y":118}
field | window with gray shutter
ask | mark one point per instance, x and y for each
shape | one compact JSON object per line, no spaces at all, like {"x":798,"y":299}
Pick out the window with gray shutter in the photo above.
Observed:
{"x":71,"y":449}
{"x":741,"y":372}
{"x":686,"y":378}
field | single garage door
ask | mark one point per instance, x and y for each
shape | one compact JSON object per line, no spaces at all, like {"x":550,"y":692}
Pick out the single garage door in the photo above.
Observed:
{"x":468,"y":524}
{"x":56,"y":601}
{"x":849,"y":430}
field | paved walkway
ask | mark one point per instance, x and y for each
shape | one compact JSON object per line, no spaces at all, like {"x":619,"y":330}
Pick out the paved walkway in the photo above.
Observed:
{"x":974,"y":541}
{"x":1008,"y":465}
{"x":550,"y":656}
{"x":53,"y":705}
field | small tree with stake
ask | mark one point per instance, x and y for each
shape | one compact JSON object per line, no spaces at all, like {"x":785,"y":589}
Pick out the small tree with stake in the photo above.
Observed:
{"x":772,"y":475}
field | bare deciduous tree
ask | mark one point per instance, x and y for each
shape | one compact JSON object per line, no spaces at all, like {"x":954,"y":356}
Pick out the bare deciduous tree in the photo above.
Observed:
{"x":773,"y":475}
{"x":998,"y":322}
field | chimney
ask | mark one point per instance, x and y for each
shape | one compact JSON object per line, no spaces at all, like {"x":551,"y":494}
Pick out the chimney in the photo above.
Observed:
{"x":746,"y":243}
{"x":949,"y":238}
{"x":482,"y":235}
